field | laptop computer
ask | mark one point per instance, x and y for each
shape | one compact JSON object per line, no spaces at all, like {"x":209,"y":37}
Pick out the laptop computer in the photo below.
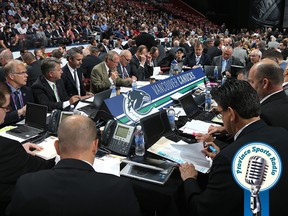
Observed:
{"x":35,"y":122}
{"x":91,"y":109}
{"x":209,"y":72}
{"x":192,"y":110}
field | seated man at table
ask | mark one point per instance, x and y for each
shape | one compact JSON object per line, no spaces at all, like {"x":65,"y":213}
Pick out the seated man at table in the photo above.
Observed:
{"x":73,"y":187}
{"x":16,"y":78}
{"x":16,"y":159}
{"x":49,"y":88}
{"x":105,"y":74}
{"x":239,"y":105}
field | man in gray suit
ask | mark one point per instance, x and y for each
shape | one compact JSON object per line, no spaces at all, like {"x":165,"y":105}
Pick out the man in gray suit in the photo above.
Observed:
{"x":105,"y":74}
{"x":225,"y":61}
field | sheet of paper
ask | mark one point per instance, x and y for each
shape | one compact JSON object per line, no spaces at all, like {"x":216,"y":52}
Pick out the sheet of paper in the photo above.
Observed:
{"x":160,"y":77}
{"x":156,"y":70}
{"x":81,"y":104}
{"x":196,"y":126}
{"x":107,"y":164}
{"x":90,"y":99}
{"x":9,"y":136}
{"x":176,"y":96}
{"x":142,"y":83}
{"x":48,"y":150}
{"x":182,"y":152}
{"x":125,"y":89}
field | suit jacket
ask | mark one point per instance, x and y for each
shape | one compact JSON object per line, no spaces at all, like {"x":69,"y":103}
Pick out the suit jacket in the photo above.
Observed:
{"x":190,"y":60}
{"x":69,"y":82}
{"x":138,"y":71}
{"x":146,"y":39}
{"x":214,"y":51}
{"x":222,"y":189}
{"x":12,"y":116}
{"x":34,"y":71}
{"x":100,"y":79}
{"x":88,"y":63}
{"x":133,"y":50}
{"x":43,"y":93}
{"x":73,"y":187}
{"x":274,"y":110}
{"x":15,"y":162}
{"x":217,"y":61}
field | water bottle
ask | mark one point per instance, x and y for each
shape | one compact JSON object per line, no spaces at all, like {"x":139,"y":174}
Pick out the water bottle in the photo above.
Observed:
{"x":139,"y":141}
{"x":216,"y":73}
{"x":174,"y":69}
{"x":171,"y":117}
{"x":208,"y":100}
{"x":113,"y":92}
{"x":134,"y":85}
{"x":224,"y":79}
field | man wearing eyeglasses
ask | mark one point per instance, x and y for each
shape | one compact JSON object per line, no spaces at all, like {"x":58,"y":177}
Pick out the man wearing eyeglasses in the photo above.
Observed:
{"x":123,"y":68}
{"x":105,"y":74}
{"x":16,"y":78}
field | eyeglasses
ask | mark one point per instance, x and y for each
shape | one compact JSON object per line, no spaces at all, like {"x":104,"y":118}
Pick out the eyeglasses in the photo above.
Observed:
{"x":21,"y":73}
{"x":128,"y":60}
{"x":114,"y":61}
{"x":7,"y":108}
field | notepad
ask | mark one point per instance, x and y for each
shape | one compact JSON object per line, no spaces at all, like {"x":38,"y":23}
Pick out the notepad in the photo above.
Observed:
{"x":48,"y":151}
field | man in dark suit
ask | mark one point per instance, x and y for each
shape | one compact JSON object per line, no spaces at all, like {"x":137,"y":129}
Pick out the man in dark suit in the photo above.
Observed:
{"x":266,"y":77}
{"x":144,"y":38}
{"x":90,"y":61}
{"x":16,"y":78}
{"x":70,"y":188}
{"x":5,"y":56}
{"x":72,"y":74}
{"x":215,"y":50}
{"x":33,"y":67}
{"x":140,"y":64}
{"x":105,"y":74}
{"x":166,"y":43}
{"x":15,"y":158}
{"x":197,"y":58}
{"x":239,"y":105}
{"x":49,"y":88}
{"x":225,"y":61}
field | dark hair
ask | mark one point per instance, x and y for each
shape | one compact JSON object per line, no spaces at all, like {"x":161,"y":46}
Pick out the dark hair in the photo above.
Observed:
{"x":240,"y":96}
{"x":4,"y":90}
{"x":217,"y":42}
{"x":49,"y":64}
{"x":56,"y":53}
{"x":71,"y":53}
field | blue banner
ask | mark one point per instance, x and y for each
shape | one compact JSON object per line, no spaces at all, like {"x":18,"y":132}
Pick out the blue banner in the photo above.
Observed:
{"x":134,"y":105}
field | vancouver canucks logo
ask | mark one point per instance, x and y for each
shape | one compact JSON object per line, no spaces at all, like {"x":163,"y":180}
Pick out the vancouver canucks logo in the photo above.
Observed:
{"x":134,"y":104}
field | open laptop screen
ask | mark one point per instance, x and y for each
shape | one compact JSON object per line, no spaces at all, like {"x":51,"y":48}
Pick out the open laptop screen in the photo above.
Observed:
{"x":189,"y":105}
{"x":36,"y":115}
{"x":155,"y":126}
{"x":100,"y":97}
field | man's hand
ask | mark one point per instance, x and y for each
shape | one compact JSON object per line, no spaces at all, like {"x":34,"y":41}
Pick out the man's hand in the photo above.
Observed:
{"x":201,"y":137}
{"x":22,"y":111}
{"x":187,"y":170}
{"x":114,"y":75}
{"x":216,"y":129}
{"x":208,"y":152}
{"x":74,"y":99}
{"x":30,"y":146}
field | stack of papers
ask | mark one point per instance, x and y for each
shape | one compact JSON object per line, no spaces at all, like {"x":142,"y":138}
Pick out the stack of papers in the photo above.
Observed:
{"x":48,"y":151}
{"x":196,"y":126}
{"x":182,"y":152}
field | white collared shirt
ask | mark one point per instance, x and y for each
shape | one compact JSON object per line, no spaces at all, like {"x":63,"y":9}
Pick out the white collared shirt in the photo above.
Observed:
{"x":265,"y":98}
{"x":107,"y":69}
{"x":72,"y":73}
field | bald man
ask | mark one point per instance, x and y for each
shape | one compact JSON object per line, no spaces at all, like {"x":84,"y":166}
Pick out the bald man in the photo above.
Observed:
{"x":73,"y":187}
{"x":266,"y":77}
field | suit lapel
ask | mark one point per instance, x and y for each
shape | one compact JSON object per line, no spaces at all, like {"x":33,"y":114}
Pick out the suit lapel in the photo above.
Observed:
{"x":48,"y":88}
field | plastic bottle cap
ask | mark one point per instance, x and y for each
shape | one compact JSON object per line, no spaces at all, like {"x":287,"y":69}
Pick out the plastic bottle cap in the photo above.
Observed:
{"x":138,"y":127}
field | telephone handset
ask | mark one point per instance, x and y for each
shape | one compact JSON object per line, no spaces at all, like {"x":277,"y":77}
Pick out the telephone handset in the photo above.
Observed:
{"x":117,"y":137}
{"x":54,"y":121}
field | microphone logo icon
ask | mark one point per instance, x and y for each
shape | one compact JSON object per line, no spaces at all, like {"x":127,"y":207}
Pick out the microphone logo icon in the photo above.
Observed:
{"x":255,"y":175}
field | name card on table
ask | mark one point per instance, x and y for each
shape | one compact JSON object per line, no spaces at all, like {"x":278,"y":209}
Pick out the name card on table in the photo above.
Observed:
{"x":129,"y":108}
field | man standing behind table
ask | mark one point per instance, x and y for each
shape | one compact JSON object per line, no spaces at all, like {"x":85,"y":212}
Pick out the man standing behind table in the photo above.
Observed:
{"x":49,"y":88}
{"x":239,"y":105}
{"x":73,"y":187}
{"x":105,"y":74}
{"x":72,"y":74}
{"x":16,"y":78}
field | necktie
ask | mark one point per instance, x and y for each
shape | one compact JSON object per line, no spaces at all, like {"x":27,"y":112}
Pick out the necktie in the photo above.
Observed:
{"x":125,"y":73}
{"x":17,"y":100}
{"x":197,"y":60}
{"x":109,"y":73}
{"x":55,"y":92}
{"x":77,"y":84}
